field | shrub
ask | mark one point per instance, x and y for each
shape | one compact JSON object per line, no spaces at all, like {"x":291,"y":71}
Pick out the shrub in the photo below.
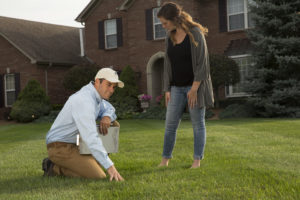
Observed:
{"x":31,"y":103}
{"x":237,"y":111}
{"x":125,"y":99}
{"x":154,"y":112}
{"x":157,"y":112}
{"x":224,"y":71}
{"x":79,"y":75}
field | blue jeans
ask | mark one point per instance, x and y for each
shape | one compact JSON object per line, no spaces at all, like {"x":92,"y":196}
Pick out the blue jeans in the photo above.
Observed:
{"x":175,"y":110}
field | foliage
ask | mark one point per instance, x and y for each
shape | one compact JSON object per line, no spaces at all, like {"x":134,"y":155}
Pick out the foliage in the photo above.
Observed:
{"x":48,"y":118}
{"x":224,"y":71}
{"x":125,"y":99}
{"x":275,"y":81}
{"x":144,"y":97}
{"x":153,"y":112}
{"x":31,"y":103}
{"x":79,"y":75}
{"x":237,"y":111}
{"x":241,"y":162}
{"x":159,"y":112}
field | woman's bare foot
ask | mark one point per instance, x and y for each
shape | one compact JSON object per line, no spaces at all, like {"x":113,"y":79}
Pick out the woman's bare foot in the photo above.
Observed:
{"x":196,"y":164}
{"x":164,"y":162}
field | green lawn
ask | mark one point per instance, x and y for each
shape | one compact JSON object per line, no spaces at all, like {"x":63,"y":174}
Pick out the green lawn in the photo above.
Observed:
{"x":244,"y":159}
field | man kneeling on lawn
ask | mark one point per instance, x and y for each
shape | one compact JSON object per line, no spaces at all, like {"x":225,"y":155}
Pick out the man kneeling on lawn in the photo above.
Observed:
{"x":79,"y":115}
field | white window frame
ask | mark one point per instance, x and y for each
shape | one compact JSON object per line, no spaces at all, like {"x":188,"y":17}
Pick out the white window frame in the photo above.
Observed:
{"x":229,"y":89}
{"x":105,"y":35}
{"x":156,"y":23}
{"x":245,"y":13}
{"x":9,"y":90}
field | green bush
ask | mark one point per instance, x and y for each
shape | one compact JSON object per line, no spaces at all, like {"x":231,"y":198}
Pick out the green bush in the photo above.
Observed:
{"x":237,"y":111}
{"x":48,"y":118}
{"x":31,"y":103}
{"x":158,"y":112}
{"x":153,"y":112}
{"x":79,"y":75}
{"x":125,"y":99}
{"x":224,"y":71}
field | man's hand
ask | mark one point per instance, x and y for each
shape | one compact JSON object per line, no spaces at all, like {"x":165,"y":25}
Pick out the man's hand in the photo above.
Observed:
{"x":114,"y":174}
{"x":104,"y":125}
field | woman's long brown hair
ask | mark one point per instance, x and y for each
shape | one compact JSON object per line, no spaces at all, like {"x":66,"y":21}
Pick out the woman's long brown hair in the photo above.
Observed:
{"x":173,"y":12}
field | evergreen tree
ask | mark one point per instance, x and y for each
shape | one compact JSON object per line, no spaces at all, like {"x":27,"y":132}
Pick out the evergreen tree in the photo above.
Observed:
{"x":275,"y":80}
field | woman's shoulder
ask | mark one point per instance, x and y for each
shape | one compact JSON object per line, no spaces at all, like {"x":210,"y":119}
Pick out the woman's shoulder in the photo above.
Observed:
{"x":195,"y":30}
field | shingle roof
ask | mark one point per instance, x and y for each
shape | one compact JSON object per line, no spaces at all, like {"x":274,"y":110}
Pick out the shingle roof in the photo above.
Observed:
{"x":239,"y":47}
{"x":42,"y":42}
{"x":86,"y":12}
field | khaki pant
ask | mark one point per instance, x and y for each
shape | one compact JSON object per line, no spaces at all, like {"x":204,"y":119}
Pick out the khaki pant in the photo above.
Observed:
{"x":69,"y":162}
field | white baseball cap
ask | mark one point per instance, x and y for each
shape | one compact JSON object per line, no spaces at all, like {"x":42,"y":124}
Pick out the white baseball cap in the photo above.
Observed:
{"x":109,"y":75}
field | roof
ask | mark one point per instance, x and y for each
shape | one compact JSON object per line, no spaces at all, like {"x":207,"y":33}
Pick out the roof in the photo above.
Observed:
{"x":239,"y":47}
{"x":86,"y":12}
{"x":41,"y":42}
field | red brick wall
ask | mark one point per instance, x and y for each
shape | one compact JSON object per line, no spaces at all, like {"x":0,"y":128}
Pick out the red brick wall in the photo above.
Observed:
{"x":136,"y":50}
{"x":12,"y":58}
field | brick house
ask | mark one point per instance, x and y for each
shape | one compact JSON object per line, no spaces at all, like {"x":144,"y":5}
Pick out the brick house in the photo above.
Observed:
{"x":33,"y":50}
{"x":127,"y":32}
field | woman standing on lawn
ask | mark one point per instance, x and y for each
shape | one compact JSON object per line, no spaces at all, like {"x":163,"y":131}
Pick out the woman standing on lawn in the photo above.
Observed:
{"x":186,"y":78}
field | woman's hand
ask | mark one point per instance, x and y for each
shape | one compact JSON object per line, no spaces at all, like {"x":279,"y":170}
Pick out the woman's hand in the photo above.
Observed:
{"x":167,"y":98}
{"x":192,"y":94}
{"x":192,"y":98}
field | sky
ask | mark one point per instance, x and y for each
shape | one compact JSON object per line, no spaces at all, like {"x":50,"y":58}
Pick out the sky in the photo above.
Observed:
{"x":62,"y":12}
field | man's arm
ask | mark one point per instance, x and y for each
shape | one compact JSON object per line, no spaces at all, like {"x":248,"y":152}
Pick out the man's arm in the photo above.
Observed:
{"x":84,"y":117}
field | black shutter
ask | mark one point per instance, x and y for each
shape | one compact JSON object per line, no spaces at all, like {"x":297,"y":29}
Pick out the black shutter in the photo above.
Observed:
{"x":101,"y":39}
{"x":1,"y":91}
{"x":223,"y":15}
{"x":119,"y":32}
{"x":149,"y":24}
{"x":17,"y":84}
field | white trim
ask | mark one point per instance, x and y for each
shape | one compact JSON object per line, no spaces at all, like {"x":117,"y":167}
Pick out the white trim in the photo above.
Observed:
{"x":153,"y":25}
{"x":245,"y":13}
{"x":229,"y":88}
{"x":8,"y":90}
{"x":105,"y":35}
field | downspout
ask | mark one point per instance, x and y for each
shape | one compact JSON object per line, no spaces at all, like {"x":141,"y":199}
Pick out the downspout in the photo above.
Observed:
{"x":81,"y":38}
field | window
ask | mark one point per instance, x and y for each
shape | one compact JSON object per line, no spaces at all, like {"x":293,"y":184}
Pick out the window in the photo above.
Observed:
{"x":158,"y":31}
{"x":110,"y":27}
{"x":244,"y":62}
{"x":239,"y":15}
{"x":10,"y":90}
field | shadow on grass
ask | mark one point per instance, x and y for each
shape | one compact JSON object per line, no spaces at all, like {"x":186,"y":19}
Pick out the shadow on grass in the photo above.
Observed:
{"x":36,"y":183}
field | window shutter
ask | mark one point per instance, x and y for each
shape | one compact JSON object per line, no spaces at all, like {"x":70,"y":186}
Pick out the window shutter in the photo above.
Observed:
{"x":17,"y":84}
{"x":1,"y":91}
{"x":223,"y":15}
{"x":149,"y":25}
{"x":101,"y":35}
{"x":119,"y":32}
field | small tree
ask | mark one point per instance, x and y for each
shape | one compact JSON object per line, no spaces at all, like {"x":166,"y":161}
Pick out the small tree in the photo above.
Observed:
{"x":79,"y":76}
{"x":224,"y":71}
{"x":125,"y":99}
{"x":31,"y":103}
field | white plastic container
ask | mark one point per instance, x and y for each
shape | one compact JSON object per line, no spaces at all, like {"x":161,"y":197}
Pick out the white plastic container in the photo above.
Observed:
{"x":110,"y":140}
